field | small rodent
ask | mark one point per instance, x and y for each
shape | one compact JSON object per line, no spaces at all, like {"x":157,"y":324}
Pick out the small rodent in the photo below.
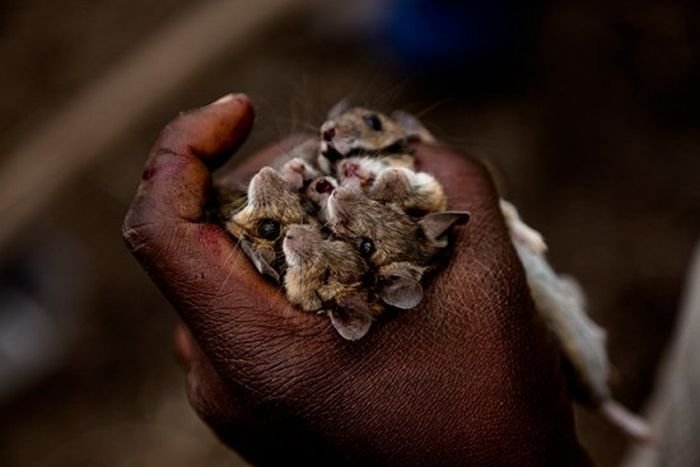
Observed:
{"x":395,"y":239}
{"x":356,"y":131}
{"x":414,"y":192}
{"x":561,"y":303}
{"x":272,"y":206}
{"x":325,"y":275}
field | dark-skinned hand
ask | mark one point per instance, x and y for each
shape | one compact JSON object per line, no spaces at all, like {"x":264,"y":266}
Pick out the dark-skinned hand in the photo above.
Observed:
{"x":469,"y":377}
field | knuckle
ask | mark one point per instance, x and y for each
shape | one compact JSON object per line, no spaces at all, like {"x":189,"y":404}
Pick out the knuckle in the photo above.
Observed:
{"x":137,"y":231}
{"x":133,"y":237}
{"x":175,"y":129}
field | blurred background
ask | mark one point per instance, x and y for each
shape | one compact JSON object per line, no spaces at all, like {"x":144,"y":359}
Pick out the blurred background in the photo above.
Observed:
{"x":586,"y":112}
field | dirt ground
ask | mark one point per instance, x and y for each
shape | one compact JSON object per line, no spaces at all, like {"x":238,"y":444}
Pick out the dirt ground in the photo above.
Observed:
{"x":596,"y":140}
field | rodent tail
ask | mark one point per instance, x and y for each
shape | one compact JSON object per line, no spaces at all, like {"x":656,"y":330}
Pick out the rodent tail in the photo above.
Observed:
{"x":630,"y":423}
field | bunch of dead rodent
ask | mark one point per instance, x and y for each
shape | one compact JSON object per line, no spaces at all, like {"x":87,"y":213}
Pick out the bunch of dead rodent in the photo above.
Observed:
{"x":349,"y":228}
{"x":311,"y":223}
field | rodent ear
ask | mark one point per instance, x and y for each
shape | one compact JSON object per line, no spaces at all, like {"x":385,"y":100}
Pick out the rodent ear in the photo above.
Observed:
{"x":339,"y":108}
{"x":267,"y":184}
{"x":350,"y":327}
{"x":259,"y":261}
{"x":413,"y":128}
{"x":436,"y":225}
{"x":401,"y":290}
{"x":352,"y":318}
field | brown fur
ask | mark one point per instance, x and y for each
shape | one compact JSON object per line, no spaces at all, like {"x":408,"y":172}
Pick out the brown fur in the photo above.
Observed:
{"x":411,"y":191}
{"x":270,"y":197}
{"x":352,"y":133}
{"x":322,"y":272}
{"x":396,"y":237}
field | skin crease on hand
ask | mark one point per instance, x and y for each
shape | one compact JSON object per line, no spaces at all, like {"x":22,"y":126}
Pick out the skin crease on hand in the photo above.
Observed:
{"x":469,"y":377}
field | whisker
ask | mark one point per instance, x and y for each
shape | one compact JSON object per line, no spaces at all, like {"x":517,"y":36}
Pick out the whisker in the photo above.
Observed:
{"x":432,"y":107}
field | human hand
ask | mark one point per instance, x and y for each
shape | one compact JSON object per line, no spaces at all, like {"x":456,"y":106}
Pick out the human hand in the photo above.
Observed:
{"x":468,"y":377}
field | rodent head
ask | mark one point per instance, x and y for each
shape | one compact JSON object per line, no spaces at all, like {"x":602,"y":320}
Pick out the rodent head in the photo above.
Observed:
{"x":381,"y":233}
{"x":352,"y":131}
{"x":268,"y":188}
{"x":357,"y":131}
{"x":272,"y":206}
{"x":300,"y":243}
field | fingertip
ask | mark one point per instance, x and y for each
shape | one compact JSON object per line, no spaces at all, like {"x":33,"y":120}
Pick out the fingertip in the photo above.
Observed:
{"x":236,"y":115}
{"x":213,"y":132}
{"x":239,"y":98}
{"x":224,"y":99}
{"x":239,"y":107}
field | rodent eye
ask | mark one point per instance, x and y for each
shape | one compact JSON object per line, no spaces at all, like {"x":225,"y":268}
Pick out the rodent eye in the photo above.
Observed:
{"x":366,"y":247}
{"x":373,"y":121}
{"x":269,"y":229}
{"x":416,"y":213}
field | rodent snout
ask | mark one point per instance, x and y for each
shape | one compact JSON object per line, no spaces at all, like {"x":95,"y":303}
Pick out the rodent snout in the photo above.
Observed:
{"x":293,"y":232}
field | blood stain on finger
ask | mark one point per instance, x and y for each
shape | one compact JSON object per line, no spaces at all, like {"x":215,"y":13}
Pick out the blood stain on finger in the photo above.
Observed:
{"x":211,"y":237}
{"x":148,"y":173}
